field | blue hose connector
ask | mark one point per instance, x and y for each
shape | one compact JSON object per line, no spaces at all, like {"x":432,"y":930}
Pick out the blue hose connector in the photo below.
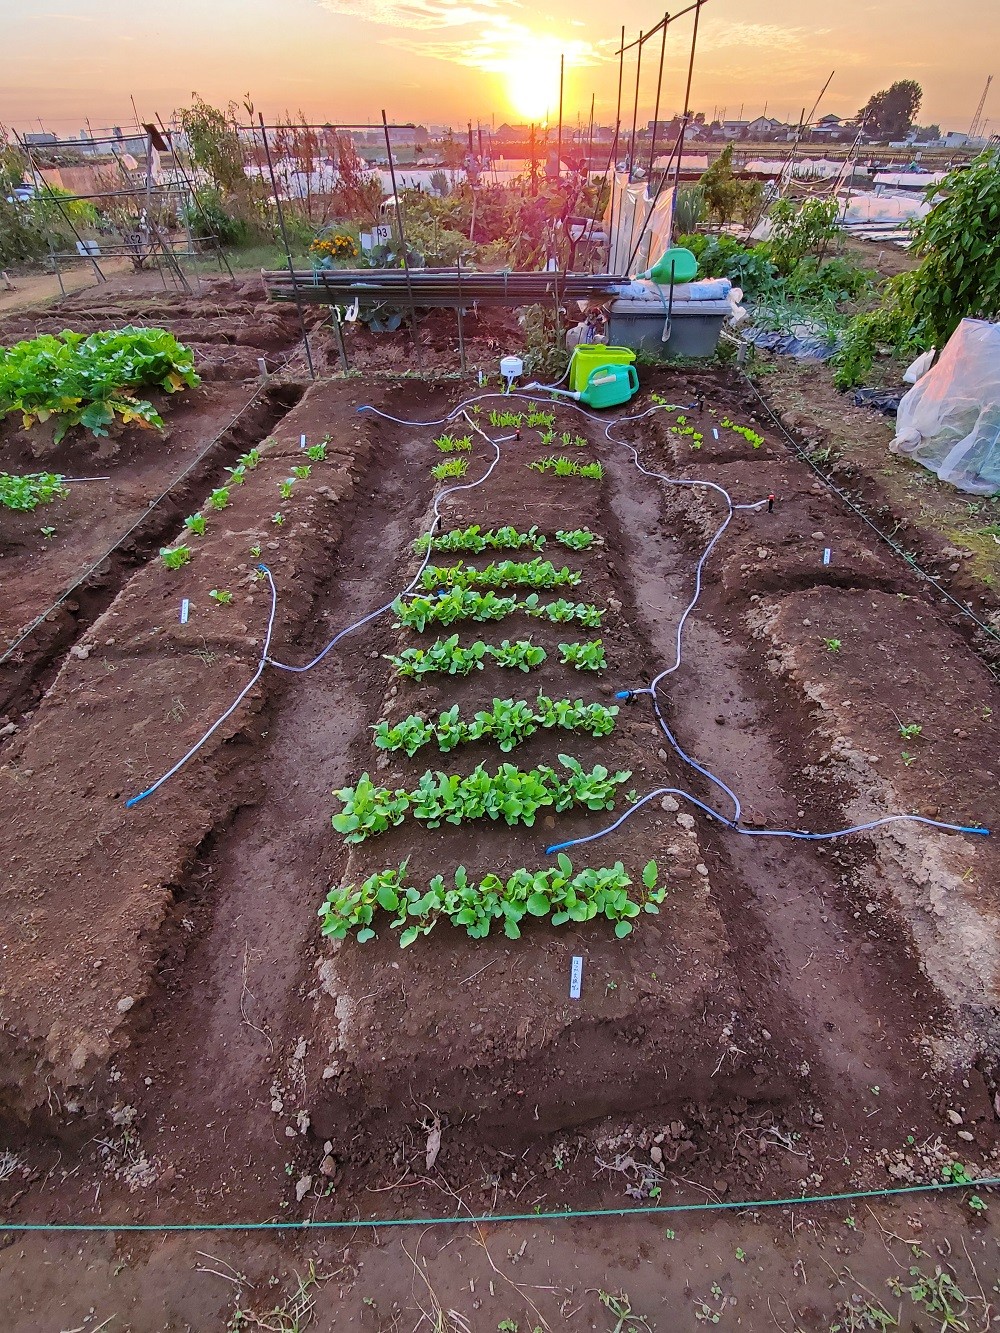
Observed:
{"x":623,"y":694}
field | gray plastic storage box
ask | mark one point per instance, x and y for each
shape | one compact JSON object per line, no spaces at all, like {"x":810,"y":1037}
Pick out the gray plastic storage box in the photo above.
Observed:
{"x":694,"y":326}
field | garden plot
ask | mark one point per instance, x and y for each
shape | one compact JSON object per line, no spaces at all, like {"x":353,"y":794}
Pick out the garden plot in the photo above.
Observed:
{"x":134,"y":692}
{"x":762,"y":1000}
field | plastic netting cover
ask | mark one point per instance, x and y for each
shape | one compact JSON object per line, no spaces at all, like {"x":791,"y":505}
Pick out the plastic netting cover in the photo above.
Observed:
{"x":950,"y":420}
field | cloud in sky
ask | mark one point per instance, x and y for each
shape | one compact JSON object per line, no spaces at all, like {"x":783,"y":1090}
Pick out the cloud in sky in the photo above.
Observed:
{"x":483,"y":34}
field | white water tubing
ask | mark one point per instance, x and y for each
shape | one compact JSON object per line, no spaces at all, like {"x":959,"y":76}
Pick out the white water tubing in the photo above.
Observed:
{"x":651,"y":689}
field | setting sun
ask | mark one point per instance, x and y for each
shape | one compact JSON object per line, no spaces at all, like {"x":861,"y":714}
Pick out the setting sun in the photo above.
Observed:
{"x":532,"y":78}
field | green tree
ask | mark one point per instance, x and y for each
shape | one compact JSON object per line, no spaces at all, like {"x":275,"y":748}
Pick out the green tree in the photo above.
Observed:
{"x":799,"y":230}
{"x":959,"y":245}
{"x":958,"y":277}
{"x":890,"y":113}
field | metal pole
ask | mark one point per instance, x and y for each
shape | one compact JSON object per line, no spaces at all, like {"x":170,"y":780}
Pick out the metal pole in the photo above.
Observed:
{"x":562,"y":64}
{"x":340,"y":339}
{"x":687,"y":104}
{"x":288,"y":251}
{"x":458,"y":311}
{"x":590,"y":136}
{"x":55,"y":264}
{"x":402,"y":239}
{"x":635,"y":108}
{"x":659,"y":82}
{"x":614,"y":143}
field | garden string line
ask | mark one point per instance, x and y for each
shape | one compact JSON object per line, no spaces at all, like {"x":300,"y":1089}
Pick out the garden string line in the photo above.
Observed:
{"x":128,"y":533}
{"x":481,"y":1219}
{"x":731,"y":823}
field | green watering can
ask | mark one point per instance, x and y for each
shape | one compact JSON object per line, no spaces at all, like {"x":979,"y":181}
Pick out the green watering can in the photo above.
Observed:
{"x":606,"y":386}
{"x":675,"y":265}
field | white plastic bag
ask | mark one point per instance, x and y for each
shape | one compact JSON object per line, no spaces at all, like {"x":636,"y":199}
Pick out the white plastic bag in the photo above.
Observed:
{"x":950,"y":420}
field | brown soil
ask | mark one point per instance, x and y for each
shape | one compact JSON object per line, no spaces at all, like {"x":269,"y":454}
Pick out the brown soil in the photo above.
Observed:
{"x":180,"y":1045}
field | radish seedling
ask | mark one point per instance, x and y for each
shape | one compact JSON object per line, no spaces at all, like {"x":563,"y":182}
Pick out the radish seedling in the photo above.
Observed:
{"x":278,"y":518}
{"x":219,"y":498}
{"x":221,"y":595}
{"x":175,"y":556}
{"x":580,"y":539}
{"x":302,"y":473}
{"x":316,"y":453}
{"x":583,"y":656}
{"x":196,"y":523}
{"x":285,"y":488}
{"x":565,"y":896}
{"x":237,"y":475}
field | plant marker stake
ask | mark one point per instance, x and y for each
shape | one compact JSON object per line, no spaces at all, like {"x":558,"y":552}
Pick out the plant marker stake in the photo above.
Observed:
{"x":302,"y":441}
{"x":262,"y":367}
{"x":715,"y":432}
{"x":826,"y":555}
{"x":185,"y":610}
{"x":575,"y":977}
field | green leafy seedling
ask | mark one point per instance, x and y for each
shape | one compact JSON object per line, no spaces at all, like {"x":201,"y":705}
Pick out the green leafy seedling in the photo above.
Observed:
{"x":221,"y":595}
{"x":910,"y":730}
{"x":832,"y":645}
{"x":316,"y":453}
{"x":219,"y":498}
{"x":285,"y":488}
{"x":278,"y":518}
{"x":302,"y":473}
{"x":174,"y":557}
{"x":47,"y":532}
{"x":196,"y":523}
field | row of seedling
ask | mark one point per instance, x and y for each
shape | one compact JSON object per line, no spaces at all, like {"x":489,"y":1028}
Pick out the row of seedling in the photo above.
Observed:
{"x":507,"y":724}
{"x":564,"y":895}
{"x":196,"y":525}
{"x":534,"y":573}
{"x":448,"y":658}
{"x":474,"y":539}
{"x":510,"y":794}
{"x":466,"y":604}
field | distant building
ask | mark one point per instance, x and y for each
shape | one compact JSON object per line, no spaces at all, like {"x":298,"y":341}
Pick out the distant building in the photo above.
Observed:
{"x":764,"y":125}
{"x":734,"y":129}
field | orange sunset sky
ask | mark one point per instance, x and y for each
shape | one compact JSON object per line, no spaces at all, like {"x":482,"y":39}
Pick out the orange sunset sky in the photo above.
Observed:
{"x":446,"y":61}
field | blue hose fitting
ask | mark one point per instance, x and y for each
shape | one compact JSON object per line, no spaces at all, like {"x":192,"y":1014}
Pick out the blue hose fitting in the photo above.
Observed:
{"x":627,"y":695}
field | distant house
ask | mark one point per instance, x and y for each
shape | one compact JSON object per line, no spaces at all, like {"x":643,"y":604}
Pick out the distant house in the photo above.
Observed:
{"x":734,"y":129}
{"x":511,"y":133}
{"x":763,"y":126}
{"x":831,"y":127}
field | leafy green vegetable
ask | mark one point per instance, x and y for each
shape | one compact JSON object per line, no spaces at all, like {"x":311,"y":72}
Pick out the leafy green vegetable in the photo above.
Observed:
{"x":28,"y":492}
{"x":535,"y":573}
{"x":511,"y":794}
{"x":89,"y":381}
{"x":508,"y":723}
{"x":175,"y":556}
{"x":473,"y":539}
{"x":583,"y":656}
{"x":580,"y":539}
{"x":565,"y":896}
{"x":451,"y":467}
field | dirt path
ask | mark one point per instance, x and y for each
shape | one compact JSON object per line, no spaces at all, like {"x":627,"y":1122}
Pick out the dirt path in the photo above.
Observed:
{"x":31,"y":289}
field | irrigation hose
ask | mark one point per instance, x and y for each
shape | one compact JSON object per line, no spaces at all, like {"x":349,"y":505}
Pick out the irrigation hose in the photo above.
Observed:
{"x":485,"y":1219}
{"x":734,"y":823}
